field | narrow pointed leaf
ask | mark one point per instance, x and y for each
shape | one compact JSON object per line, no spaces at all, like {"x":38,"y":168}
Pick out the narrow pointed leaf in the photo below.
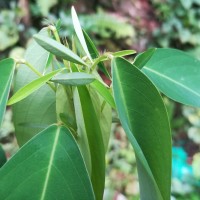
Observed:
{"x":104,"y":92}
{"x":31,"y":87}
{"x":94,"y":53}
{"x":143,"y":58}
{"x":176,"y":74}
{"x":49,"y":166}
{"x":37,"y":111}
{"x":57,"y":49}
{"x":90,"y":138}
{"x":79,"y":33}
{"x":6,"y":75}
{"x":144,"y":119}
{"x":124,"y":53}
{"x":74,"y":78}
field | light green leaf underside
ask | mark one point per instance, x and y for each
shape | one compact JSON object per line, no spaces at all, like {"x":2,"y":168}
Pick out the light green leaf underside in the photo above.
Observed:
{"x":144,"y":119}
{"x":79,"y":33}
{"x":49,"y":166}
{"x":57,"y":49}
{"x":74,"y":78}
{"x":176,"y":74}
{"x":6,"y":75}
{"x":37,"y":111}
{"x":31,"y":87}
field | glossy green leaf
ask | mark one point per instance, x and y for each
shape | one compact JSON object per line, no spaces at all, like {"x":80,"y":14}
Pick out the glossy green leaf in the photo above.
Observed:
{"x":143,"y":58}
{"x":31,"y":87}
{"x":6,"y":74}
{"x":90,"y":138}
{"x":50,"y":166}
{"x":2,"y":157}
{"x":79,"y":33}
{"x":37,"y":111}
{"x":94,"y":53}
{"x":74,"y":78}
{"x":57,"y":49}
{"x":176,"y":74}
{"x":123,"y":53}
{"x":104,"y":92}
{"x":144,"y":119}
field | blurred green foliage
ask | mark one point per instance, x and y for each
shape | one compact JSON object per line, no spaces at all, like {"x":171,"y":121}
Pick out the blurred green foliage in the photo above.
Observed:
{"x":179,"y":24}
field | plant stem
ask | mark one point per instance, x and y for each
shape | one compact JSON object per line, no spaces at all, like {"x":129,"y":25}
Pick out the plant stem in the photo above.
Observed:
{"x":35,"y":71}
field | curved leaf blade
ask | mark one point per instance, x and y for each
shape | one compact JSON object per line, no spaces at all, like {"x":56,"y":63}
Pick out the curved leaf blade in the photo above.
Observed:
{"x":7,"y":67}
{"x":175,"y":74}
{"x":31,"y":87}
{"x":52,"y":162}
{"x":140,"y":105}
{"x":57,"y":49}
{"x":74,"y":78}
{"x":79,"y":33}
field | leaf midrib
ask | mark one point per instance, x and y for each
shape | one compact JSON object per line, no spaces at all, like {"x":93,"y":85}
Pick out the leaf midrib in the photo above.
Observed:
{"x":172,"y":80}
{"x":52,"y":155}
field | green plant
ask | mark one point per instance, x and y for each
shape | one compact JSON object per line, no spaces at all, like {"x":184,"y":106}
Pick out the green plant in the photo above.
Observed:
{"x":70,"y":106}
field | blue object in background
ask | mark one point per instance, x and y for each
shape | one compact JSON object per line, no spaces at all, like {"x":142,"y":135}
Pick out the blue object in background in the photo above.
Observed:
{"x":180,"y":168}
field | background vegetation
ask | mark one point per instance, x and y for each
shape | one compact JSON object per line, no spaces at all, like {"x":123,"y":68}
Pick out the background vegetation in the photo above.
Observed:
{"x":116,"y":25}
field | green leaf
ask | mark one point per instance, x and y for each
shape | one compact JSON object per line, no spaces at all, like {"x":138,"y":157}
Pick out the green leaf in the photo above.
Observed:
{"x":2,"y":157}
{"x":37,"y":111}
{"x":90,"y":139}
{"x":176,"y":74}
{"x":123,"y":53}
{"x":7,"y":67}
{"x":31,"y":87}
{"x":79,"y":33}
{"x":57,"y":49}
{"x":143,"y":58}
{"x":144,"y":119}
{"x":49,"y":166}
{"x":74,"y":78}
{"x":104,"y":92}
{"x":104,"y":114}
{"x":94,"y":53}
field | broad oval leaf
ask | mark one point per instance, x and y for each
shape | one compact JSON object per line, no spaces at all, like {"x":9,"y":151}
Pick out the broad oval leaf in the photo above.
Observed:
{"x":37,"y":111}
{"x":31,"y":87}
{"x":104,"y":92}
{"x":74,"y":78}
{"x":90,"y":138}
{"x":6,"y":74}
{"x":57,"y":49}
{"x":50,"y":166}
{"x":176,"y":74}
{"x":144,"y":119}
{"x":79,"y":33}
